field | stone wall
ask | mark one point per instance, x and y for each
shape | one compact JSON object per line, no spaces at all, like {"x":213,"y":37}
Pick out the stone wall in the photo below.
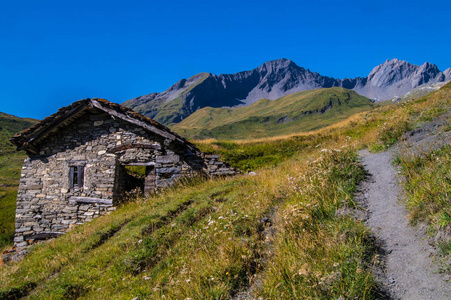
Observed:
{"x":217,"y":168}
{"x":48,"y":206}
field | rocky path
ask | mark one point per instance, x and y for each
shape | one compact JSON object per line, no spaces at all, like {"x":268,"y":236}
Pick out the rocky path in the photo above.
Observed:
{"x":409,"y":271}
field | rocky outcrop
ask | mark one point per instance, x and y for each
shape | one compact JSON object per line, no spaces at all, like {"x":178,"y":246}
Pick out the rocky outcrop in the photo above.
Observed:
{"x":275,"y":79}
{"x":395,"y":78}
{"x":447,"y":74}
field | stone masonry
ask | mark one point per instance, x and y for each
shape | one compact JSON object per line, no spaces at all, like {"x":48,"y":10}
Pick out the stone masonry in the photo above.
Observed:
{"x":76,"y":166}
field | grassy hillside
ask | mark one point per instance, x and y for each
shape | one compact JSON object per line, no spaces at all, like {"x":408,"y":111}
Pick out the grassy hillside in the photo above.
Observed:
{"x":10,"y":165}
{"x":207,"y":240}
{"x":303,"y":111}
{"x":428,"y":187}
{"x":9,"y":181}
{"x":427,"y":174}
{"x":10,"y":125}
{"x":286,"y":231}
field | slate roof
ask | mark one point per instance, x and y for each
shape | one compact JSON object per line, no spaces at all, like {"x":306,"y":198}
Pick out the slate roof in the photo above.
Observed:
{"x":65,"y":115}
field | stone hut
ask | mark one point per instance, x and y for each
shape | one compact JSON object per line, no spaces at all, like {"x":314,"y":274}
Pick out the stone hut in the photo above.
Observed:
{"x":80,"y":163}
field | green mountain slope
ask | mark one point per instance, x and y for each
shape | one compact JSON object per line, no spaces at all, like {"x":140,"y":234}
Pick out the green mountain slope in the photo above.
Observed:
{"x":10,"y":125}
{"x":303,"y":111}
{"x":10,"y":164}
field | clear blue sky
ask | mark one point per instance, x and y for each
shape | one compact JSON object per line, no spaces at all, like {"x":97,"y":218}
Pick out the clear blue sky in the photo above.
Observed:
{"x":56,"y":52}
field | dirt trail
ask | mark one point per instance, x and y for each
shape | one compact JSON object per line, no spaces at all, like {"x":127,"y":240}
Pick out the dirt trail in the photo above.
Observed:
{"x":409,"y":272}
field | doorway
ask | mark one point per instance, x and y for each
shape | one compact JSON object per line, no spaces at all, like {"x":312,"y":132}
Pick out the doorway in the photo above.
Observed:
{"x":137,"y":178}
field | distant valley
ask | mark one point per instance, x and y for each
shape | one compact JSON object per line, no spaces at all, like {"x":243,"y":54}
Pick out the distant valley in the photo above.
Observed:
{"x":275,"y":79}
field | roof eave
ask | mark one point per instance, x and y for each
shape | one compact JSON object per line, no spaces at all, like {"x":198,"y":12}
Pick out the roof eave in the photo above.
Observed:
{"x":24,"y":142}
{"x":25,"y":139}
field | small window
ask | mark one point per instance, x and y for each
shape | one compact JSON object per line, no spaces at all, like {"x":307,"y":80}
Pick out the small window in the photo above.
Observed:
{"x":76,"y":176}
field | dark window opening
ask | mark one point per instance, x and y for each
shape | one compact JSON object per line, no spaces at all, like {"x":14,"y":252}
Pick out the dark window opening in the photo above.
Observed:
{"x":76,"y":176}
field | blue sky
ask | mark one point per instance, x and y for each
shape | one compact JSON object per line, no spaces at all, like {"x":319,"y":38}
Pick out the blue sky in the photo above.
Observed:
{"x":57,"y":52}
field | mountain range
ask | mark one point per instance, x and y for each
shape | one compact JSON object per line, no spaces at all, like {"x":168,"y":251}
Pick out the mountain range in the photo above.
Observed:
{"x":275,"y":79}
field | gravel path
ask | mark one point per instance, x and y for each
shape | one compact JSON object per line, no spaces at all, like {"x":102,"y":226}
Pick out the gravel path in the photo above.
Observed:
{"x":409,"y":271}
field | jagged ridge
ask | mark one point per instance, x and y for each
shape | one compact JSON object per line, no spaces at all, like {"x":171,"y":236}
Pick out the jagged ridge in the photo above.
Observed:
{"x":275,"y":79}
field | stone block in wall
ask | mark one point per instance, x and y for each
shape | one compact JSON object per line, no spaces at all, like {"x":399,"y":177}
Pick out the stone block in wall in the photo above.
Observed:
{"x":21,"y":245}
{"x":59,"y":227}
{"x":18,"y":239}
{"x":33,"y":187}
{"x":161,"y":183}
{"x":83,"y":207}
{"x":69,"y":209}
{"x":165,"y":159}
{"x":171,"y":170}
{"x":23,"y":229}
{"x":106,"y":194}
{"x":29,"y":224}
{"x":68,"y":222}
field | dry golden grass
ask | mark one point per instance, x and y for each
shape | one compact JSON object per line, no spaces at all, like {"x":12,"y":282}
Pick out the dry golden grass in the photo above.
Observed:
{"x":354,"y":119}
{"x":206,"y":240}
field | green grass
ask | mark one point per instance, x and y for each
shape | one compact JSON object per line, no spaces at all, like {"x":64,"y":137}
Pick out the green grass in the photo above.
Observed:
{"x":10,"y":125}
{"x":322,"y":255}
{"x":391,"y":132}
{"x":209,"y":239}
{"x":395,"y":120}
{"x":254,"y":155}
{"x":10,"y":167}
{"x":139,"y":171}
{"x":7,"y":211}
{"x":265,"y":118}
{"x":204,"y":241}
{"x":428,"y":186}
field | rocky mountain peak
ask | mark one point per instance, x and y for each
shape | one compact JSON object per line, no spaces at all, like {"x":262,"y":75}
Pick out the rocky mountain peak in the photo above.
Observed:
{"x":447,"y":74}
{"x":276,"y":70}
{"x":275,"y":79}
{"x":429,"y":68}
{"x":277,"y":64}
{"x":396,"y":77}
{"x":390,"y":71}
